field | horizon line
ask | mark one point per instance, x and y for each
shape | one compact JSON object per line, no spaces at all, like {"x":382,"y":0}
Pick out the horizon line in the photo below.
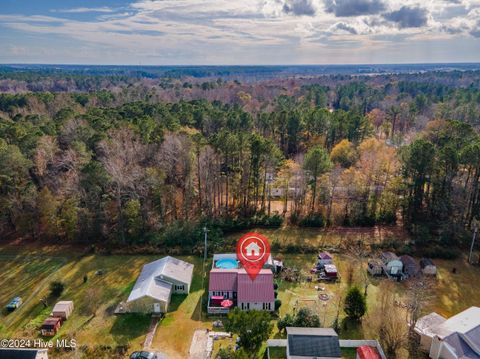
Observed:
{"x":239,"y":65}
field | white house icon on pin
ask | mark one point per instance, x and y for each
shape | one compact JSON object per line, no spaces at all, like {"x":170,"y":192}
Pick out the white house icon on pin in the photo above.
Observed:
{"x":252,"y":250}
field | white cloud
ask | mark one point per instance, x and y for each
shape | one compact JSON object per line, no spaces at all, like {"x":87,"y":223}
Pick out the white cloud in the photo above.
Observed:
{"x":79,"y":10}
{"x":253,"y":31}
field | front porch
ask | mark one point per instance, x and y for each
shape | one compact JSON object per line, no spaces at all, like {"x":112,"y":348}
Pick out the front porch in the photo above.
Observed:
{"x":215,"y":307}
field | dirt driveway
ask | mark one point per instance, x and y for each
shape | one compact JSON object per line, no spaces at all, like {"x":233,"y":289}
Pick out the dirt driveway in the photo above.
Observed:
{"x":198,"y":348}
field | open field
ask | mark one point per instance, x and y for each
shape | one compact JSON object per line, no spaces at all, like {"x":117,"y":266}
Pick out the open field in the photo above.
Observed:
{"x":27,"y":271}
{"x":28,"y":274}
{"x":296,"y":237}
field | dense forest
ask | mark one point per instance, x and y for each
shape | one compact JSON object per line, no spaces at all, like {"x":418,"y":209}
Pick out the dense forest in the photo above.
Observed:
{"x":116,"y":159}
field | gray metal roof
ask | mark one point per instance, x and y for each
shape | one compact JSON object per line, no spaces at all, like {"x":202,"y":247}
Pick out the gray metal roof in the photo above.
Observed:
{"x":460,"y":347}
{"x":473,"y":336}
{"x":153,"y":280}
{"x":20,"y":353}
{"x":313,"y":342}
{"x":427,"y":324}
{"x":277,"y":343}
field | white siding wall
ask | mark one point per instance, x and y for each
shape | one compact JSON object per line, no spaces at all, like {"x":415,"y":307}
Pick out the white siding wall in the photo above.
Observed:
{"x":425,"y":342}
{"x":177,"y":286}
{"x":435,"y":348}
{"x":269,"y":306}
{"x":145,"y":305}
{"x":226,"y":294}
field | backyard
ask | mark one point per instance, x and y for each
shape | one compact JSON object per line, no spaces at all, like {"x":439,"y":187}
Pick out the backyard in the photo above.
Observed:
{"x":27,"y":271}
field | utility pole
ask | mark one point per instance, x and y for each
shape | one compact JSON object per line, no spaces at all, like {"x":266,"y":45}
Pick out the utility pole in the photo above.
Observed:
{"x":204,"y":274}
{"x":475,"y":230}
{"x":205,"y":231}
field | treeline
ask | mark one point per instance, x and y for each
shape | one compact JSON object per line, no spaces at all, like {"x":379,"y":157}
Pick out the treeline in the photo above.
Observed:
{"x":107,"y":167}
{"x":121,"y":173}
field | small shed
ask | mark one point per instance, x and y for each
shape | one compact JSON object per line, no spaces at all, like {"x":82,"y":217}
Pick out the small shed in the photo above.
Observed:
{"x":51,"y":326}
{"x":63,"y":309}
{"x":331,"y":271}
{"x":392,"y":265}
{"x":428,"y":268}
{"x":411,"y":268}
{"x":375,"y":267}
{"x":324,"y":258}
{"x":367,"y":352}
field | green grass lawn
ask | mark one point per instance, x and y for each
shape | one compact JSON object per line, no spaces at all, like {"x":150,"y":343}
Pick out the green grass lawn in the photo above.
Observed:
{"x":349,"y":353}
{"x":278,"y":353}
{"x":92,"y":322}
{"x":27,"y":271}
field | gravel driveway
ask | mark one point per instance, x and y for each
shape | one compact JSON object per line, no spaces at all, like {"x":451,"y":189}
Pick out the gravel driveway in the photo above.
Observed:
{"x":198,"y":348}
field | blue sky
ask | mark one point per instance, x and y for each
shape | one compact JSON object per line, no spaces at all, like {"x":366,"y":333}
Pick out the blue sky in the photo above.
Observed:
{"x":184,"y":32}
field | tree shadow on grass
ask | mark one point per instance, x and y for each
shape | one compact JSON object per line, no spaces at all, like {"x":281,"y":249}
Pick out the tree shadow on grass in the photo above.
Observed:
{"x":351,"y":329}
{"x":176,"y":301}
{"x":197,"y":312}
{"x":130,"y":326}
{"x":200,"y":312}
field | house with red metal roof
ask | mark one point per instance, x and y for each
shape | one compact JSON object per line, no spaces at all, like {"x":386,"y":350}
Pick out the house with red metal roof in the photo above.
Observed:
{"x":256,"y":294}
{"x":228,"y":288}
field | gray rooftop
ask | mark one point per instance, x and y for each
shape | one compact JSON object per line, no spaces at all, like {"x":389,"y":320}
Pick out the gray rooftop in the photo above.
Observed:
{"x":427,"y":324}
{"x":460,"y":347}
{"x":313,"y":342}
{"x":153,"y":280}
{"x":20,"y":353}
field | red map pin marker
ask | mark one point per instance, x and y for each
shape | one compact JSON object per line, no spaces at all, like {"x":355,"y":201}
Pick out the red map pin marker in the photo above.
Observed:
{"x":253,"y":251}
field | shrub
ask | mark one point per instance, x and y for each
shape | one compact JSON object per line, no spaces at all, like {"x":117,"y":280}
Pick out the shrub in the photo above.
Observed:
{"x":303,"y":318}
{"x":312,"y":220}
{"x":278,"y":304}
{"x":286,"y":321}
{"x":56,"y":289}
{"x":355,"y":304}
{"x":253,"y":327}
{"x":306,"y":318}
{"x":273,"y":221}
{"x":440,"y":252}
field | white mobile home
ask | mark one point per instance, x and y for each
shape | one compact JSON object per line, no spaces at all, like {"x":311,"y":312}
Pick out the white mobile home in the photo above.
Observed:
{"x":156,"y":284}
{"x":455,"y":338}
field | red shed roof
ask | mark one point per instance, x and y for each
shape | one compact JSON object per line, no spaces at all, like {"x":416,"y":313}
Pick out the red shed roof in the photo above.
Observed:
{"x":223,"y":280}
{"x":325,"y":255}
{"x":367,"y":352}
{"x":258,"y":290}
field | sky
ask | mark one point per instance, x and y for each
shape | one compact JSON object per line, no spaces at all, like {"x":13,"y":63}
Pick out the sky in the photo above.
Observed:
{"x":239,"y":32}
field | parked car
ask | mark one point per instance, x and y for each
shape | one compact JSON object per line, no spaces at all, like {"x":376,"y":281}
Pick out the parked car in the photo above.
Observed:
{"x":14,"y":304}
{"x":143,"y":355}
